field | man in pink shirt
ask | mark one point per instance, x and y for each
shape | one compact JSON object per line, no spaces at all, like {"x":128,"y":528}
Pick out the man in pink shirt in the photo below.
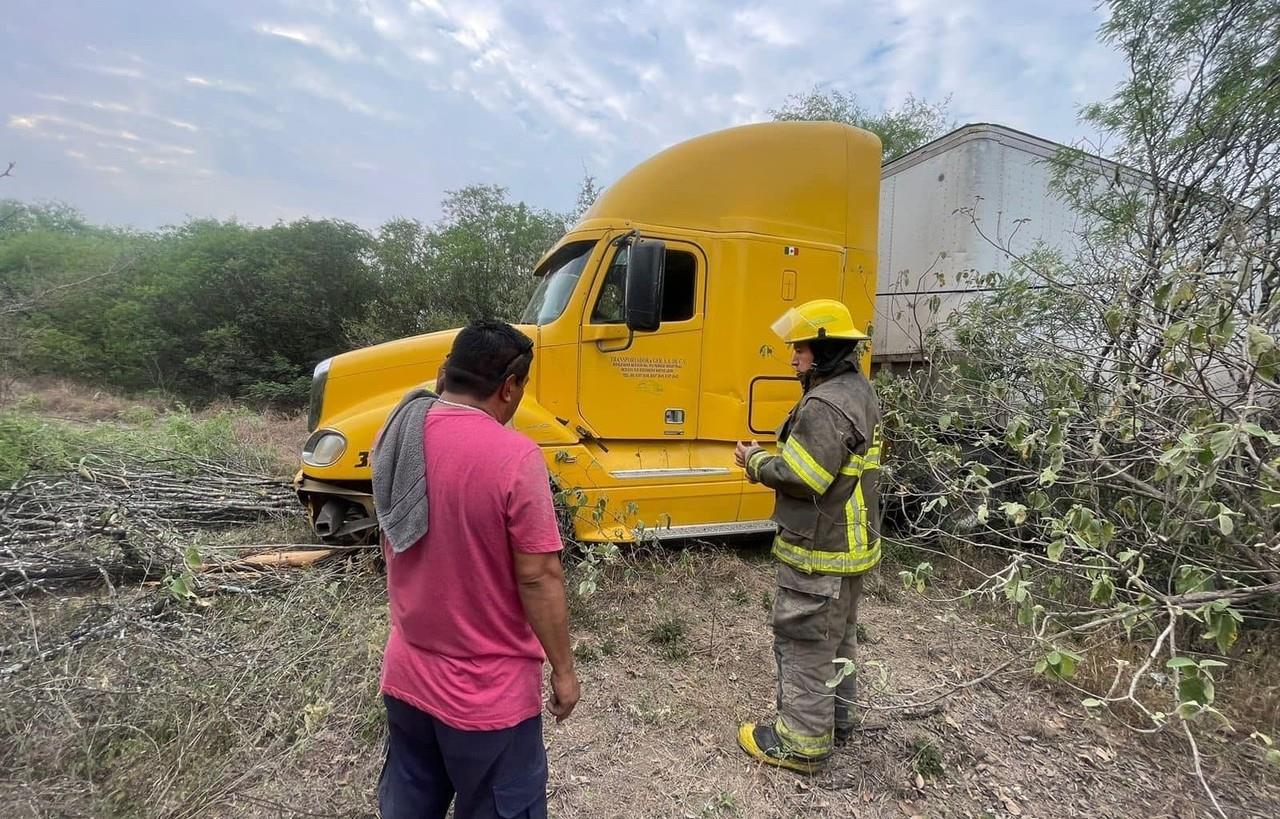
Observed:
{"x":477,"y":603}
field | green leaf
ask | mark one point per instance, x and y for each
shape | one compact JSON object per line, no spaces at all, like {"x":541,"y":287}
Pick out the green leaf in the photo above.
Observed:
{"x":1027,"y":613}
{"x":1056,"y":548}
{"x":1223,"y":441}
{"x":1260,"y":342}
{"x":1258,"y":432}
{"x":1225,"y":524}
{"x":193,"y":558}
{"x":1103,"y":591}
{"x":180,"y":587}
{"x":845,"y":670}
{"x":1187,"y":710}
{"x":1016,"y":589}
{"x":1197,"y":689}
{"x":1190,"y":579}
{"x":944,"y":421}
{"x":1016,"y":512}
{"x":1223,"y":332}
{"x":1273,"y":756}
{"x":1181,"y":662}
{"x":1092,"y":703}
{"x":1222,"y":629}
{"x":1113,"y":316}
{"x":983,"y":513}
{"x":1176,"y":332}
{"x":1016,"y":431}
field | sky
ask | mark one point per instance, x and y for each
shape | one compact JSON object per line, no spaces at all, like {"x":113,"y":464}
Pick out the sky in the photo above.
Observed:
{"x":146,"y":113}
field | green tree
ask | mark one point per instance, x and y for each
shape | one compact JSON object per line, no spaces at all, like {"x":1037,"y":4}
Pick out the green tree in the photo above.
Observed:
{"x":240,"y":306}
{"x":476,"y":262}
{"x":54,"y":217}
{"x":588,"y":192}
{"x":54,"y":270}
{"x":207,"y":309}
{"x":901,"y":129}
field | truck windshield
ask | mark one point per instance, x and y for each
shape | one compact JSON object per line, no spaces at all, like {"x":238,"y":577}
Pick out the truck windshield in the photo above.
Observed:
{"x":563,"y":270}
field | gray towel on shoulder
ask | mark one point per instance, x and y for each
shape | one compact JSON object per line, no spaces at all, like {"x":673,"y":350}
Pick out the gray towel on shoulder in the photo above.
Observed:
{"x":400,"y":471}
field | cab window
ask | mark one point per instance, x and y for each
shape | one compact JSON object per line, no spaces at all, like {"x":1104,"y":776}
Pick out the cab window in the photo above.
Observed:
{"x":679,"y":290}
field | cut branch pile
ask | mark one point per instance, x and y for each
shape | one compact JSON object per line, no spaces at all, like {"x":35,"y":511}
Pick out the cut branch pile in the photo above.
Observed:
{"x":118,"y":521}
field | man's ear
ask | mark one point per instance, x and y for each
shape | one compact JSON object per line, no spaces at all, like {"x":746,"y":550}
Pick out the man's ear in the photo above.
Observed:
{"x":509,"y":387}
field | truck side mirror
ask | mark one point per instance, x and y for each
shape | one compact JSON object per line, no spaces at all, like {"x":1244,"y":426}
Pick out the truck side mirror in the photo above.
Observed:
{"x":646,"y":267}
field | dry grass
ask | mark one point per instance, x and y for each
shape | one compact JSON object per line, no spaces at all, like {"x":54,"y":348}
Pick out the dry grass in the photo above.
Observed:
{"x":260,"y":699}
{"x":243,"y":707}
{"x":266,"y":704}
{"x":654,"y":734}
{"x":70,"y":401}
{"x":276,"y":436}
{"x":51,"y":426}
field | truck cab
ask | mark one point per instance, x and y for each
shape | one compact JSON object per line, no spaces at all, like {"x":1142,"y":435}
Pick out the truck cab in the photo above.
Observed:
{"x":651,"y":325}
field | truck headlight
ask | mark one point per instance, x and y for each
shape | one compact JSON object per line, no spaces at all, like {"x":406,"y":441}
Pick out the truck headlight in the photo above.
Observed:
{"x":318,"y":379}
{"x":324,"y":448}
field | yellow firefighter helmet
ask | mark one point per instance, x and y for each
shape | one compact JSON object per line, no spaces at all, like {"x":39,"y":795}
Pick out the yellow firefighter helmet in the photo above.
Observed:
{"x":818,"y":319}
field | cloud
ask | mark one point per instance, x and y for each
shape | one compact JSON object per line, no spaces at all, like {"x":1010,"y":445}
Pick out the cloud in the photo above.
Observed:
{"x":54,"y":125}
{"x":267,"y":100}
{"x":85,"y":161}
{"x":764,"y":26}
{"x":145,"y":153}
{"x":323,"y":88}
{"x":120,"y":108}
{"x":117,"y":71}
{"x":219,"y":85}
{"x":311,"y":37}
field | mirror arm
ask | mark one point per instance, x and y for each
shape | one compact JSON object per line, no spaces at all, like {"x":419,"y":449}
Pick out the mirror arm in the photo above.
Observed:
{"x":626,"y":238}
{"x":631,"y":337}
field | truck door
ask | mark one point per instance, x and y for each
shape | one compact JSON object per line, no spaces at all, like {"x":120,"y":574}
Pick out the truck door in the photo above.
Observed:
{"x":650,"y":389}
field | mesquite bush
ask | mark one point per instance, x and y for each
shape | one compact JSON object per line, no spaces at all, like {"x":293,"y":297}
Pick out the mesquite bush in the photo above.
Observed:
{"x":1107,"y":420}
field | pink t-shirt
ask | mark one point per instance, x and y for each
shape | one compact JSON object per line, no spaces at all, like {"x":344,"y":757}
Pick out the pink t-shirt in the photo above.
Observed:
{"x":460,"y":646}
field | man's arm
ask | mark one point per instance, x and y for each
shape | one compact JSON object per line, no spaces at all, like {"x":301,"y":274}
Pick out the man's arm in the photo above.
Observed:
{"x":811,"y":457}
{"x":540,"y":579}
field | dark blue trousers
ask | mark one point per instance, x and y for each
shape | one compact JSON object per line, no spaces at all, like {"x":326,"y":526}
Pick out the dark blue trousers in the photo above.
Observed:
{"x":491,"y":774}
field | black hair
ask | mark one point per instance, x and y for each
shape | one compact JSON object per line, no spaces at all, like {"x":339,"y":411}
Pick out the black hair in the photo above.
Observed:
{"x":486,"y":353}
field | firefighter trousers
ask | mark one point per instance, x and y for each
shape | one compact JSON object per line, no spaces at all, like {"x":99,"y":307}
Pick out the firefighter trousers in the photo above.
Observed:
{"x":815,"y":620}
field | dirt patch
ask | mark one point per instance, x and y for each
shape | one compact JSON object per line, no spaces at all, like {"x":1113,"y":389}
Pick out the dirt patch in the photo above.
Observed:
{"x":265,"y":704}
{"x":654,"y":737}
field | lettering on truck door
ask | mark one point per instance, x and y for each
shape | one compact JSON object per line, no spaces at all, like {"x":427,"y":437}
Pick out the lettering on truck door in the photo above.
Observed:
{"x":649,"y":390}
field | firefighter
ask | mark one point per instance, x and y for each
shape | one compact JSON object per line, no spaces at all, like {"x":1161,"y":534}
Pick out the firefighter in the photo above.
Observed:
{"x":828,"y":517}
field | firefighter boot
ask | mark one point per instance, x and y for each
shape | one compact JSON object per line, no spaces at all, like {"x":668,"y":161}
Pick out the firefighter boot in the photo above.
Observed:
{"x":762,"y":743}
{"x":844,"y":723}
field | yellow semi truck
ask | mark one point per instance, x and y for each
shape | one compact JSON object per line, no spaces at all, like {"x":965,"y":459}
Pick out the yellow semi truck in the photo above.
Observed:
{"x":651,"y":326}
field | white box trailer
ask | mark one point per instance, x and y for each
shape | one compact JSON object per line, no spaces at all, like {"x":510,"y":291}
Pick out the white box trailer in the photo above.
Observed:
{"x":929,"y":201}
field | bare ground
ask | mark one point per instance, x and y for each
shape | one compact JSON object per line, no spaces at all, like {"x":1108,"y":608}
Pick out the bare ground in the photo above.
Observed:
{"x":265,"y":704}
{"x":262,"y":701}
{"x":655,"y":737}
